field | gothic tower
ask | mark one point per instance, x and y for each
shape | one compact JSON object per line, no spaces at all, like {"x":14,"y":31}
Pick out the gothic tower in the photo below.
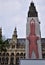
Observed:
{"x":33,"y":34}
{"x":14,"y":38}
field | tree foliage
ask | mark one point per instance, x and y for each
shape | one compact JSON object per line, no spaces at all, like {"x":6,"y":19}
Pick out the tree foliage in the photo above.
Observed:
{"x":3,"y":45}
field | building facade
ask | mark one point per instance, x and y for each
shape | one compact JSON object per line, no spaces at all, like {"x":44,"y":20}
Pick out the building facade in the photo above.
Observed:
{"x":15,"y":51}
{"x":17,"y":47}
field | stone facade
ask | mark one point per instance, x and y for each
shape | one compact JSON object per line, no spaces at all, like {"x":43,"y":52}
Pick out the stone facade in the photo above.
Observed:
{"x":16,"y":51}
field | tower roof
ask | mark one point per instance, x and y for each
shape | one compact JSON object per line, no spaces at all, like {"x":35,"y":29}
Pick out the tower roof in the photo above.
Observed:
{"x":15,"y":32}
{"x":32,"y":10}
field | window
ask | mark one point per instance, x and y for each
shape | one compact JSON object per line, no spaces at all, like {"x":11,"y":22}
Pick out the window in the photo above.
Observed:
{"x":3,"y":60}
{"x":0,"y":59}
{"x":6,"y":60}
{"x":13,"y":46}
{"x":43,"y":55}
{"x":12,"y":60}
{"x":17,"y":61}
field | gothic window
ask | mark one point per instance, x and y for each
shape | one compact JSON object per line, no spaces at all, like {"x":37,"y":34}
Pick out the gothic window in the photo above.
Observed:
{"x":6,"y":62}
{"x":3,"y":60}
{"x":21,"y":54}
{"x":7,"y":54}
{"x":12,"y":60}
{"x":24,"y":55}
{"x":0,"y":59}
{"x":17,"y":54}
{"x":13,"y":46}
{"x":18,"y":45}
{"x":7,"y":58}
{"x":0,"y":54}
{"x":43,"y":55}
{"x":12,"y":54}
{"x":3,"y":54}
{"x":17,"y":61}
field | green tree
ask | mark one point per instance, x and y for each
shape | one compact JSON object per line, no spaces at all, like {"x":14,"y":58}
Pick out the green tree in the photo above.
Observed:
{"x":3,"y":45}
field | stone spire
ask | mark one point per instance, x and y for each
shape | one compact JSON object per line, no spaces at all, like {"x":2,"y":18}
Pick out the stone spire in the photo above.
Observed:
{"x":32,"y":10}
{"x":14,"y":36}
{"x":15,"y":32}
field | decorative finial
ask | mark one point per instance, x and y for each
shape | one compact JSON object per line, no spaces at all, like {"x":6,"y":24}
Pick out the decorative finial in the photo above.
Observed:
{"x":15,"y":32}
{"x":15,"y":28}
{"x":31,"y":0}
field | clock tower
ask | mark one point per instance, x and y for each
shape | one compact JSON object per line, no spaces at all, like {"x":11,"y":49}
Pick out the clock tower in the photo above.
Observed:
{"x":33,"y":34}
{"x":14,"y":39}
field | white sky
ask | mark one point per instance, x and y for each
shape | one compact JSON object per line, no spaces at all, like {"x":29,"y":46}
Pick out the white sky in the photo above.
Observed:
{"x":14,"y":13}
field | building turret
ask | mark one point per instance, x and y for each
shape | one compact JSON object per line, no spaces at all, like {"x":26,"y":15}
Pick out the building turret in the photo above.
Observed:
{"x":14,"y":36}
{"x":15,"y":32}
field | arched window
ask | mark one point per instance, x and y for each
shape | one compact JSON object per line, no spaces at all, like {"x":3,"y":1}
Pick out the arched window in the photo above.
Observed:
{"x":6,"y":58}
{"x":17,"y":54}
{"x":6,"y":62}
{"x":17,"y":61}
{"x":3,"y":54}
{"x":0,"y":54}
{"x":43,"y":55}
{"x":12,"y":58}
{"x":13,"y":46}
{"x":24,"y":55}
{"x":21,"y":54}
{"x":3,"y":60}
{"x":7,"y":54}
{"x":0,"y":59}
{"x":12,"y":54}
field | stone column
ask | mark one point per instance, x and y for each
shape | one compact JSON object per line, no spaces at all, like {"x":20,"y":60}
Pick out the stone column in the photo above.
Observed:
{"x":9,"y":60}
{"x":14,"y":58}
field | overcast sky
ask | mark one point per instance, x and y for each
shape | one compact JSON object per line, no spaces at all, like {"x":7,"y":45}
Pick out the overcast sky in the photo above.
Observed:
{"x":13,"y":13}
